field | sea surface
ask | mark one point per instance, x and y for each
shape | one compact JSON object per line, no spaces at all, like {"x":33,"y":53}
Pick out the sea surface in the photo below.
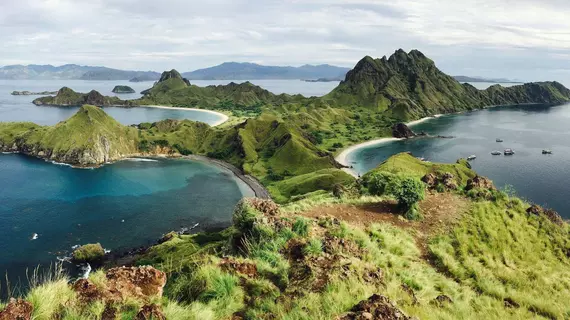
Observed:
{"x":123,"y":205}
{"x":528,"y":130}
{"x":21,"y":108}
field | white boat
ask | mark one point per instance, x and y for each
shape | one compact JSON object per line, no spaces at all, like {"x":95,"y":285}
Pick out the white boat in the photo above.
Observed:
{"x":471,"y":157}
{"x":496,"y":153}
{"x":34,"y":236}
{"x":509,"y":152}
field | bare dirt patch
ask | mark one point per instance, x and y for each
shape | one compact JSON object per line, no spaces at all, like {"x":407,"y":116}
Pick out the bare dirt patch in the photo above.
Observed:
{"x":440,"y":211}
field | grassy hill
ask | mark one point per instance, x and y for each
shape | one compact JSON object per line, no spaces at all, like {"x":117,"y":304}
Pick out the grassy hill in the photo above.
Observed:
{"x":67,"y":97}
{"x":355,"y":256}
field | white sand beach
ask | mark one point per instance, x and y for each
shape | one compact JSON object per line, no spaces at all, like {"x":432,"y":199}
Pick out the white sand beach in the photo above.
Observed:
{"x":223,"y":119}
{"x":342,"y":157}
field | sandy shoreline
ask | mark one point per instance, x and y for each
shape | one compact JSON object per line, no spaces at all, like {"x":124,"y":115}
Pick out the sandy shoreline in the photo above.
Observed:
{"x":342,"y":157}
{"x":223,"y":116}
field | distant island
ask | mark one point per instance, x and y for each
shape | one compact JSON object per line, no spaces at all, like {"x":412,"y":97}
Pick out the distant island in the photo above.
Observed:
{"x":145,"y":78}
{"x":253,"y":71}
{"x":29,"y":93}
{"x":323,"y":80}
{"x":69,"y":72}
{"x":481,"y":79}
{"x":123,"y":89}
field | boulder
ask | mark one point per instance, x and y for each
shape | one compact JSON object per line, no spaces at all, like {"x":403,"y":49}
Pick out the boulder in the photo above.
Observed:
{"x":554,"y":217}
{"x":86,"y":291}
{"x":448,"y":180}
{"x":267,"y":207}
{"x":442,"y":300}
{"x":479,"y":182}
{"x":377,"y":307}
{"x":535,"y":210}
{"x":110,"y":313}
{"x":138,"y":282}
{"x":430,"y":179}
{"x":401,"y":130}
{"x":17,"y":310}
{"x":150,"y":312}
{"x":248,"y":269}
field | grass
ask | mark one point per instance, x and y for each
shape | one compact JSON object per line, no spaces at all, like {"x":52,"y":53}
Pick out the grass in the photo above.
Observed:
{"x":89,"y":252}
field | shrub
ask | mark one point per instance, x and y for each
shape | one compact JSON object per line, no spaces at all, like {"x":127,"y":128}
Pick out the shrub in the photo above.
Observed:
{"x":313,"y":248}
{"x":182,"y":150}
{"x":407,"y":190}
{"x":89,"y":252}
{"x":379,"y":182}
{"x":337,"y":145}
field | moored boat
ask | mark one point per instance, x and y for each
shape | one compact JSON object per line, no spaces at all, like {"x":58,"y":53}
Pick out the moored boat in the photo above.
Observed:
{"x":496,"y":153}
{"x":509,"y":152}
{"x":546,"y":151}
{"x":499,"y":140}
{"x":471,"y":157}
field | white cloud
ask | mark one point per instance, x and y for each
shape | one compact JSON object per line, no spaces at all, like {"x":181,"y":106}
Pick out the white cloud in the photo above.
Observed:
{"x":526,"y":39}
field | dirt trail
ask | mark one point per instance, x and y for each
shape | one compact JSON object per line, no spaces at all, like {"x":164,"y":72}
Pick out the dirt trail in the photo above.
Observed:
{"x":440,"y":211}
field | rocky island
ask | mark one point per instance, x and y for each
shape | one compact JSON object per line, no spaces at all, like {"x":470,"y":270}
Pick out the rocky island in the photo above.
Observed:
{"x":67,"y":97}
{"x":123,"y":89}
{"x":30,"y":93}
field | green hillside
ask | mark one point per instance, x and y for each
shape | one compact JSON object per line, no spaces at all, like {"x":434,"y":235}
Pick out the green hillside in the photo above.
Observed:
{"x":67,"y":97}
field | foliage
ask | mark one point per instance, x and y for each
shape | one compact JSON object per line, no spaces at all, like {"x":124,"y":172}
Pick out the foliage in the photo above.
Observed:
{"x":89,"y":252}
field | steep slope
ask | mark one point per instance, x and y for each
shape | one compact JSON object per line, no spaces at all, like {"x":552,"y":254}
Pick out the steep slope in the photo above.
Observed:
{"x":408,"y":86}
{"x":67,"y":97}
{"x":90,"y":137}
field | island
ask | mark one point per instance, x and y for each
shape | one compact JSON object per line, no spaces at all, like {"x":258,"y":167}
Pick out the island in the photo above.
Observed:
{"x":30,"y":93}
{"x":323,"y":80}
{"x":123,"y":89}
{"x":409,"y":239}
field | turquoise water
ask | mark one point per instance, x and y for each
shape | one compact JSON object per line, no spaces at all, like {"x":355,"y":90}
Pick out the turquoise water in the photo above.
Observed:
{"x":526,"y":129}
{"x":123,"y":205}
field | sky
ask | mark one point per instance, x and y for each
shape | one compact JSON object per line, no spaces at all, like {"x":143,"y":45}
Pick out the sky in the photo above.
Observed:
{"x":523,"y":39}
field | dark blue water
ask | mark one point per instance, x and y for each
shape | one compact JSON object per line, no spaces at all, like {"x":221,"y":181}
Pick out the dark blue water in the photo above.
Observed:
{"x":526,"y":129}
{"x":67,"y":206}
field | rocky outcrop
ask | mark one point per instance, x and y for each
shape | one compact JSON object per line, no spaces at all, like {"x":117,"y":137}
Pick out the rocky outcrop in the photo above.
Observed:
{"x":447,"y":180}
{"x":29,"y":93}
{"x":123,"y":89}
{"x":138,"y":282}
{"x":17,"y":310}
{"x":549,"y":214}
{"x":479,"y":182}
{"x":377,"y":307}
{"x":172,"y":74}
{"x":401,"y":130}
{"x":150,"y":312}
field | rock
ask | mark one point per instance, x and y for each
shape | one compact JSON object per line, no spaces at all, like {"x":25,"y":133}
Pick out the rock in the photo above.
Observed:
{"x":376,"y":307}
{"x":430,"y":179}
{"x":535,"y":210}
{"x":167,"y":237}
{"x":17,"y":310}
{"x":110,"y":313}
{"x":401,"y":130}
{"x":554,"y":217}
{"x":510,"y":303}
{"x":406,"y":288}
{"x":479,"y":182}
{"x":448,"y":180}
{"x":123,"y":89}
{"x":442,"y":300}
{"x":245,"y":268}
{"x":138,"y":282}
{"x":87,"y":291}
{"x":267,"y":207}
{"x":150,"y":312}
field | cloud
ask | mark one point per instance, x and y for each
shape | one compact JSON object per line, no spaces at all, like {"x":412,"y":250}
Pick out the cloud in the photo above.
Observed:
{"x":527,"y":39}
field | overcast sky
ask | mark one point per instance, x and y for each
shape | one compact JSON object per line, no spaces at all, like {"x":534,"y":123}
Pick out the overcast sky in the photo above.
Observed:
{"x":523,"y":39}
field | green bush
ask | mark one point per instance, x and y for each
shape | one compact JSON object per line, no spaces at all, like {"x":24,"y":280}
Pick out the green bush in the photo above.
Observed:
{"x":407,"y":190}
{"x":301,"y":227}
{"x":379,"y":182}
{"x":313,"y":248}
{"x":89,"y":252}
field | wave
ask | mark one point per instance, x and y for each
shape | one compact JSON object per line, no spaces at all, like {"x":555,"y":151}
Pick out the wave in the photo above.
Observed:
{"x":61,"y":163}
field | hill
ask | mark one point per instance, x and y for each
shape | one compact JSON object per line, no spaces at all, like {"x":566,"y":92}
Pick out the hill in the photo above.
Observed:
{"x":476,"y":254}
{"x":69,"y":72}
{"x":88,"y":138}
{"x":481,"y":79}
{"x":252,"y":71}
{"x":409,"y":86}
{"x":67,"y":97}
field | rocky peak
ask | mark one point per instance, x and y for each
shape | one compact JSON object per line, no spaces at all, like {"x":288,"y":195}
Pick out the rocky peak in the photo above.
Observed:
{"x":65,"y":90}
{"x":173,"y":74}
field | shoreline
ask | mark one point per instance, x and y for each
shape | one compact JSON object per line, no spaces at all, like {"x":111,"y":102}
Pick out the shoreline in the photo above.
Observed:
{"x":342,"y":157}
{"x":215,"y":124}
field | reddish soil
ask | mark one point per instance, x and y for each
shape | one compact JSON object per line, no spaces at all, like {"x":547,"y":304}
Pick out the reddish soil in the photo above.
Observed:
{"x":440,"y":210}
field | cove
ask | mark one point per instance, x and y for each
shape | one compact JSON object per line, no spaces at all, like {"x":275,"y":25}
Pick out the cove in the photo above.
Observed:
{"x":122,"y":205}
{"x":527,"y":129}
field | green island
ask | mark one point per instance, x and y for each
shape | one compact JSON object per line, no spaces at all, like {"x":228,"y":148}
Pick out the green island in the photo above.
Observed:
{"x":408,"y":240}
{"x":123,"y":89}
